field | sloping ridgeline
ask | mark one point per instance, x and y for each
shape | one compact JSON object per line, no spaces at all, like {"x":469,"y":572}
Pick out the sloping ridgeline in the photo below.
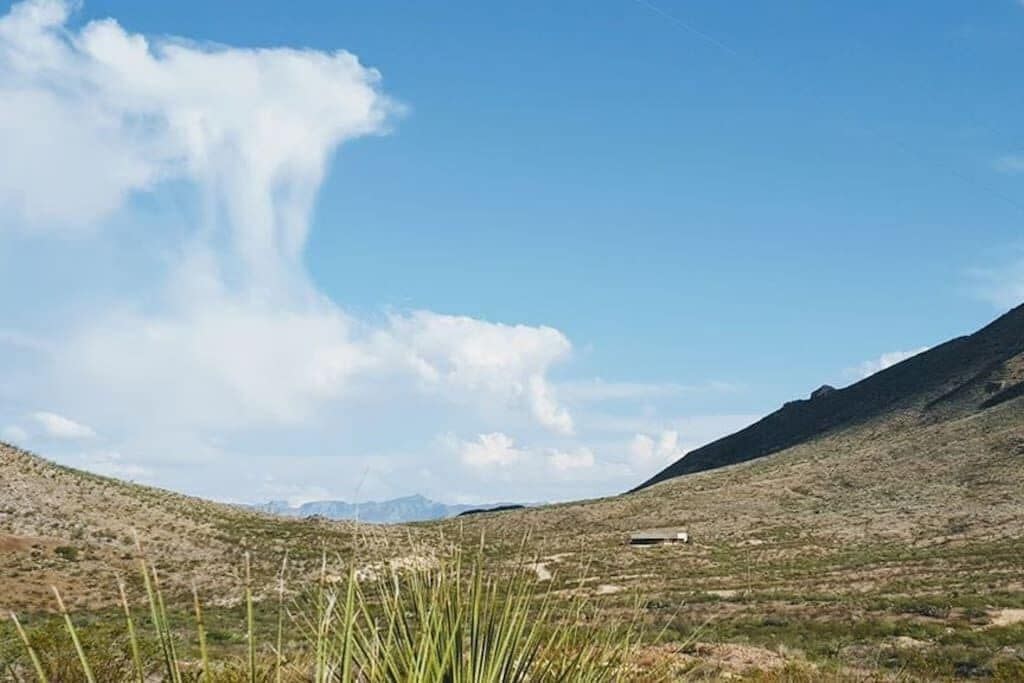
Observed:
{"x":964,"y":376}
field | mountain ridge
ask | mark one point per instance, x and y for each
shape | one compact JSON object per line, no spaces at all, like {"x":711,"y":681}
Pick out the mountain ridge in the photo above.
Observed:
{"x":412,"y":508}
{"x":967,"y":373}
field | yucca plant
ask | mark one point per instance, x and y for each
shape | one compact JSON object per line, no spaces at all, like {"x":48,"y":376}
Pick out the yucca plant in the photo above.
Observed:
{"x":459,"y":624}
{"x":449,"y":621}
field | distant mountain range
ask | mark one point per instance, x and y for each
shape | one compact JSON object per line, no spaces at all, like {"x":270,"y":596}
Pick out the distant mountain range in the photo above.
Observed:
{"x":414,"y":508}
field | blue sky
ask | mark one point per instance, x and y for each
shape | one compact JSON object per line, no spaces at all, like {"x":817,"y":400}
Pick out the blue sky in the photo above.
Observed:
{"x":693,"y":211}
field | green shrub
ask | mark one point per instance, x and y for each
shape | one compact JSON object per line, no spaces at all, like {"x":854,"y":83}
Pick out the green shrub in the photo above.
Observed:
{"x":67,"y":552}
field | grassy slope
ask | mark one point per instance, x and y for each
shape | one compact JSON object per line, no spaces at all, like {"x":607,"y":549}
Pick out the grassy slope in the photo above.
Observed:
{"x":837,"y":547}
{"x":74,"y":530}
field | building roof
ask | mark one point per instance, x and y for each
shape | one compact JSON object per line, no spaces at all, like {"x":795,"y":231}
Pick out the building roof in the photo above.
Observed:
{"x":660,"y":534}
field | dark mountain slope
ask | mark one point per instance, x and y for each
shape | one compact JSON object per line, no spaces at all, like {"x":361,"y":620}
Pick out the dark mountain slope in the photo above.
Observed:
{"x":963,"y":376}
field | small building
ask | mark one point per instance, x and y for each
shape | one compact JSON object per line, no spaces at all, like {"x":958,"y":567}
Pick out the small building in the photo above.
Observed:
{"x":658,"y":536}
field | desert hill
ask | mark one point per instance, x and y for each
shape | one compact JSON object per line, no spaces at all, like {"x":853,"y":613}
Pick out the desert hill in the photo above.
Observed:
{"x":894,"y":544}
{"x":962,"y":377}
{"x":887,"y":536}
{"x":875,"y":527}
{"x":75,"y":530}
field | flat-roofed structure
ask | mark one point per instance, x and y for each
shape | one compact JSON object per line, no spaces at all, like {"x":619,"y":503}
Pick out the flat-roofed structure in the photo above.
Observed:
{"x":657,"y":536}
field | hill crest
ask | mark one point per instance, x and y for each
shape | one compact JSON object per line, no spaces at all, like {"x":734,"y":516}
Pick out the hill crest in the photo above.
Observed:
{"x":964,"y":375}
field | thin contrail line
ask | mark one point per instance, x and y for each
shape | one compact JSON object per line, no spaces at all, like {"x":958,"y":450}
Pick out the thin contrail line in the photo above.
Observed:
{"x":688,"y":27}
{"x":968,"y":179}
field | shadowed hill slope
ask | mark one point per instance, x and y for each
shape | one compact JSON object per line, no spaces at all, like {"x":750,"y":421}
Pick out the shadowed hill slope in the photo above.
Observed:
{"x":963,"y":376}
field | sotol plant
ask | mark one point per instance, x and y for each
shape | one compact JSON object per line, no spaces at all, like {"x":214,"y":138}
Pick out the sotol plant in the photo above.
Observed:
{"x":448,"y":621}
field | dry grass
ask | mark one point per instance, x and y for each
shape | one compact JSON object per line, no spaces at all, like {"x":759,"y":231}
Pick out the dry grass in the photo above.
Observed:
{"x":832,"y":551}
{"x":75,"y":530}
{"x":449,"y":621}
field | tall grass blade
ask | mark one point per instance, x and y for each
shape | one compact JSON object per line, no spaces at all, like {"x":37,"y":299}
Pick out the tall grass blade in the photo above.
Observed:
{"x":133,"y":640}
{"x":74,"y":636}
{"x":204,"y":657}
{"x":170,"y":665}
{"x":280,"y":619}
{"x":166,"y":629}
{"x":36,"y":664}
{"x":322,"y":621}
{"x":249,"y":621}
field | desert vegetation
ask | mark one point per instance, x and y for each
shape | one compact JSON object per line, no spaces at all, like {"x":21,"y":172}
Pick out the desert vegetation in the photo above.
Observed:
{"x":440,"y":617}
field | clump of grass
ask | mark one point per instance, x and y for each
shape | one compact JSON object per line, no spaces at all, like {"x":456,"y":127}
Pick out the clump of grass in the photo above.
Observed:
{"x":452,"y":620}
{"x":67,"y":552}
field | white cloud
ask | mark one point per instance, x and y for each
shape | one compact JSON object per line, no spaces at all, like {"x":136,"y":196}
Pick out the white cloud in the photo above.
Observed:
{"x":646,"y":451}
{"x":532,"y":471}
{"x":489,"y":450}
{"x":220,"y":363}
{"x":231,"y":363}
{"x":230,"y":358}
{"x":59,"y":427}
{"x":13,"y":434}
{"x":113,"y":464}
{"x":94,"y":114}
{"x":571,"y":460}
{"x":238,"y":335}
{"x":886,"y":360}
{"x":464,"y":353}
{"x":498,"y":450}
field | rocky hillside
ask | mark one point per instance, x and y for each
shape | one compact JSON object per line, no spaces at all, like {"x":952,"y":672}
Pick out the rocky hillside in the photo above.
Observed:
{"x":886,"y":550}
{"x":960,"y":378}
{"x":75,"y":530}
